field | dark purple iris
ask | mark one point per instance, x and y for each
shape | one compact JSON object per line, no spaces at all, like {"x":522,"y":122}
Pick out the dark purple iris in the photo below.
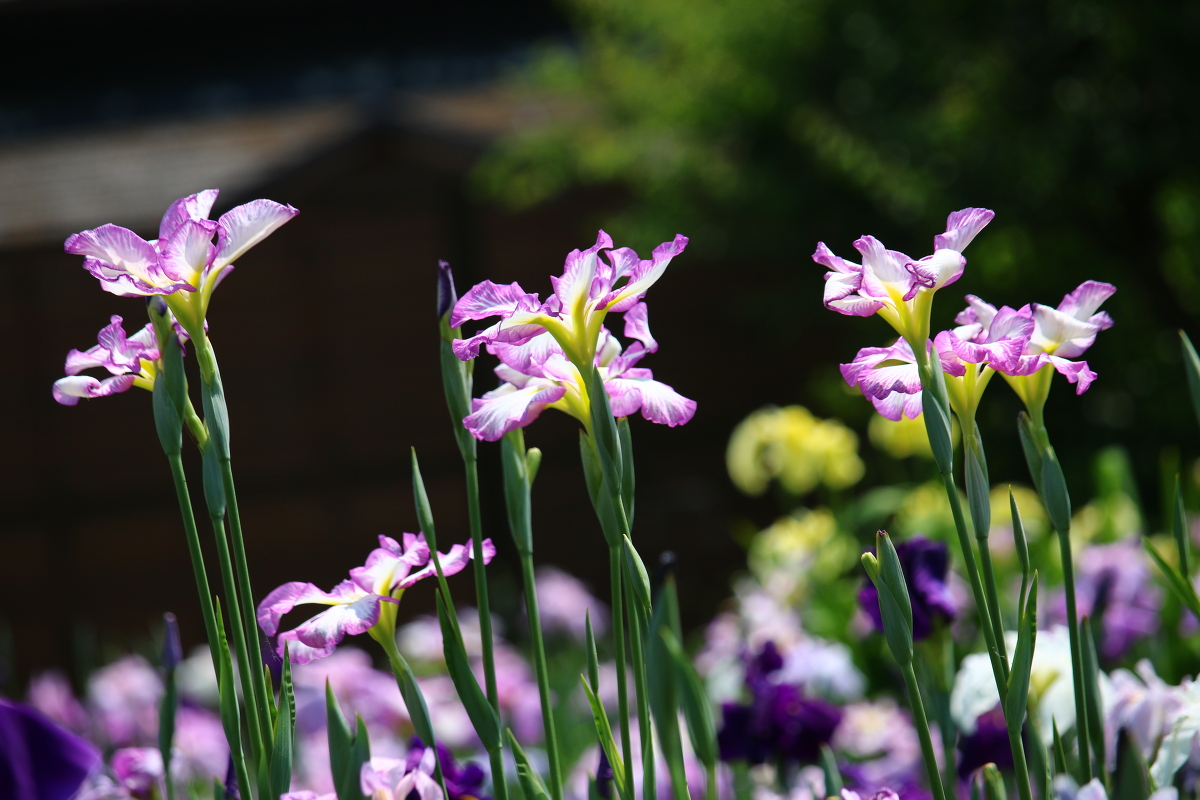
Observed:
{"x":926,"y":564}
{"x":38,"y":759}
{"x":988,"y":744}
{"x":463,"y":782}
{"x":779,"y":723}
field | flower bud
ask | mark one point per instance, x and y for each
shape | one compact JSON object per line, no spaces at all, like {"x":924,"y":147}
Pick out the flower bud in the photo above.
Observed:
{"x":446,"y":296}
{"x":172,"y":652}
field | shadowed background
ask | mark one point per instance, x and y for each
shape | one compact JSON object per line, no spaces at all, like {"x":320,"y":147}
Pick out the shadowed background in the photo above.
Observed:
{"x":500,"y":138}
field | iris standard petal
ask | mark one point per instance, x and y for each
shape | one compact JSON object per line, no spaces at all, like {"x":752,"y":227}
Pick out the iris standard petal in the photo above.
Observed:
{"x":962,"y":227}
{"x":575,"y":284}
{"x":120,"y":248}
{"x":489,"y":299}
{"x":888,"y":266}
{"x":452,"y":563}
{"x":976,"y":311}
{"x":644,"y":275}
{"x":1087,"y":297}
{"x":187,"y":252}
{"x":942,"y":268}
{"x":241,"y":228}
{"x":196,"y":206}
{"x":1053,"y":328}
{"x":69,"y":390}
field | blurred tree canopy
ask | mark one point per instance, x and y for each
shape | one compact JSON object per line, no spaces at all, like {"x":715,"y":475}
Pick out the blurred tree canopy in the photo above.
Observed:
{"x":759,"y":128}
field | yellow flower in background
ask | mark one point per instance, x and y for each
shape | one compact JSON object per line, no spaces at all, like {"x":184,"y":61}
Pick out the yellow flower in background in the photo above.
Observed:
{"x":925,"y":510}
{"x":904,"y":437}
{"x":792,"y":446}
{"x":797,"y":549}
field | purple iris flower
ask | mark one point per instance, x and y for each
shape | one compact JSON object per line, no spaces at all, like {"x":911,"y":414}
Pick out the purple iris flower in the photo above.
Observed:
{"x":892,"y":284}
{"x":926,"y":564}
{"x":1114,"y":585}
{"x":130,"y":360}
{"x":589,"y":288}
{"x":987,"y":744}
{"x":396,"y":779}
{"x":779,"y":722}
{"x":356,"y":602}
{"x":536,"y":375}
{"x":38,"y":759}
{"x":462,"y":780}
{"x":138,"y":769}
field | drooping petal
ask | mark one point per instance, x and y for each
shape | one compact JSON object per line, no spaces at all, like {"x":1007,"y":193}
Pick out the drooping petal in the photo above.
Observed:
{"x":508,"y":408}
{"x":79,"y":360}
{"x":452,"y":563}
{"x":880,"y":381}
{"x":856,"y":305}
{"x":527,"y":357}
{"x":840,"y":285}
{"x":637,"y":326}
{"x":385,"y":567}
{"x":657,"y":401}
{"x":196,"y":206}
{"x":898,"y":405}
{"x":1053,"y":329}
{"x":962,"y":227}
{"x":825,"y":257}
{"x":69,"y":390}
{"x":298,"y":651}
{"x":489,"y":299}
{"x":118,"y":247}
{"x":286,"y":597}
{"x":976,"y":311}
{"x":942,"y":268}
{"x":886,"y":266}
{"x":1076,"y":372}
{"x":241,"y":228}
{"x":643,"y":276}
{"x":866,"y":368}
{"x":346,"y":619}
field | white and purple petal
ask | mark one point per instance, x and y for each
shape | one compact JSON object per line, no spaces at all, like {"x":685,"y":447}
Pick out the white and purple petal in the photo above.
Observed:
{"x":636,"y":390}
{"x":579,"y":273}
{"x":942,"y":268}
{"x":196,"y":206}
{"x":977,"y":311}
{"x":887,"y":266}
{"x":68,"y":391}
{"x":242,"y":227}
{"x":898,"y":405}
{"x":188,"y":251}
{"x":962,"y":227}
{"x":1053,"y":329}
{"x":1086,"y":299}
{"x":527,"y":357}
{"x":489,"y":299}
{"x":1076,"y":372}
{"x":451,"y":563}
{"x":637,"y":326}
{"x":825,"y":257}
{"x":643,"y":276}
{"x":345,"y":619}
{"x":298,"y":651}
{"x":508,"y":408}
{"x":286,"y":597}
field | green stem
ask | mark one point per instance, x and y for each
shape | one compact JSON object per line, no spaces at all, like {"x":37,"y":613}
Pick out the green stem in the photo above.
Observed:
{"x":483,"y":602}
{"x":618,"y":623}
{"x":989,"y":576}
{"x":1020,"y":767}
{"x":260,"y":691}
{"x":649,"y":788}
{"x":710,"y":783}
{"x":238,"y":636}
{"x":193,"y":542}
{"x":399,"y":667}
{"x":922,"y":724}
{"x":543,"y":675}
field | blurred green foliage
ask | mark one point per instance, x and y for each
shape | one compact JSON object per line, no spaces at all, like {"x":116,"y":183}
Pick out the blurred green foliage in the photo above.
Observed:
{"x":760,"y":128}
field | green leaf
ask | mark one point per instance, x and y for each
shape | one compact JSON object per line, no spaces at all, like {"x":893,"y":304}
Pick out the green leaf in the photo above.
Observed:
{"x":604,"y":732}
{"x":1178,"y":584}
{"x":593,"y":661}
{"x":1191,"y":363}
{"x":531,"y":782}
{"x":1091,"y":695}
{"x":1054,"y":493}
{"x":362,"y":750}
{"x":598,"y":491}
{"x":282,"y":749}
{"x":833,"y":777}
{"x":697,"y":711}
{"x":414,"y":700}
{"x":627,"y":487}
{"x":1179,"y":530}
{"x":638,"y":579}
{"x":216,"y":414}
{"x":604,"y":428}
{"x":230,"y":714}
{"x":166,"y":718}
{"x":993,"y":783}
{"x":894,"y":604}
{"x":483,"y":716}
{"x":342,"y":766}
{"x":1033,"y":456}
{"x":214,"y":482}
{"x":1019,"y":538}
{"x":1060,"y":752}
{"x":662,"y":677}
{"x":421,"y":501}
{"x":1017,"y":697}
{"x":516,"y":490}
{"x":1131,"y":780}
{"x":937,"y":427}
{"x":166,"y":419}
{"x":978,"y":488}
{"x":457,"y":385}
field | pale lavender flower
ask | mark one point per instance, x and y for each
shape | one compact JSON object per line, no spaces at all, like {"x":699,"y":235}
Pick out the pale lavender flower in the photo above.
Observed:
{"x":589,"y":288}
{"x":124,"y":698}
{"x":305,"y":794}
{"x":391,"y":779}
{"x":1143,"y":705}
{"x":184,"y":256}
{"x":566,"y":603}
{"x":201,"y":750}
{"x":893,"y":285}
{"x":51,"y":693}
{"x":537,"y":374}
{"x":1115,"y":580}
{"x":358,"y":686}
{"x":880,"y":743}
{"x":130,"y":360}
{"x":356,"y":603}
{"x":138,"y":769}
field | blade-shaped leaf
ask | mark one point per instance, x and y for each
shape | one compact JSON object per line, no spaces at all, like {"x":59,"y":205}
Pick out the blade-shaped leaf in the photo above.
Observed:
{"x":1182,"y":588}
{"x":285,"y":720}
{"x":516,"y":490}
{"x":1017,"y":697}
{"x":662,"y":678}
{"x":230,"y":714}
{"x":483,"y":716}
{"x":602,"y":499}
{"x":1131,"y":780}
{"x":1060,"y":752}
{"x":593,"y":661}
{"x":1091,"y":694}
{"x":1033,"y":456}
{"x":993,"y":783}
{"x":833,"y":777}
{"x":1021,"y":543}
{"x":697,"y":711}
{"x":604,"y":429}
{"x":1054,"y":493}
{"x":1191,"y":363}
{"x":421,"y":500}
{"x":635,"y":569}
{"x":343,"y":766}
{"x":1179,"y":530}
{"x":627,"y":488}
{"x":531,"y":782}
{"x":978,"y":487}
{"x":937,"y":428}
{"x":604,"y":732}
{"x":414,"y":700}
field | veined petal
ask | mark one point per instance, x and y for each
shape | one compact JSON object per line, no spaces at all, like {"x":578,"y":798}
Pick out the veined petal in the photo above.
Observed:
{"x":868,"y":358}
{"x":489,"y":299}
{"x":196,"y":206}
{"x":856,"y":306}
{"x":897,"y":405}
{"x":346,"y":619}
{"x":286,"y":597}
{"x":887,"y":266}
{"x":825,"y":257}
{"x":839,"y":285}
{"x":298,"y":651}
{"x":637,"y":326}
{"x":79,"y":360}
{"x":976,"y":311}
{"x":579,"y":271}
{"x":452,"y":563}
{"x":644,"y":275}
{"x":69,"y":390}
{"x":508,"y":408}
{"x":187,"y":252}
{"x":962,"y":227}
{"x":608,"y":348}
{"x":657,"y":401}
{"x":527,"y":357}
{"x":879,"y":382}
{"x":952,"y":363}
{"x":1087,"y":297}
{"x":1053,"y":328}
{"x":942,"y":268}
{"x":1076,"y":372}
{"x":120,"y":248}
{"x":241,"y":228}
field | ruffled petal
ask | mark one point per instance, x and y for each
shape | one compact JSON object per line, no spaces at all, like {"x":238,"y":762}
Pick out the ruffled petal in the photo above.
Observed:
{"x":579,"y":273}
{"x":1076,"y":372}
{"x":241,"y":228}
{"x":825,"y":257}
{"x":657,"y":401}
{"x":286,"y":597}
{"x":452,"y":563}
{"x":976,"y":311}
{"x":346,"y":619}
{"x":643,"y":276}
{"x":187,"y":253}
{"x":1087,"y":297}
{"x":298,"y":651}
{"x":1053,"y":329}
{"x":69,"y":390}
{"x":527,"y":357}
{"x":898,"y":405}
{"x":840,"y":285}
{"x":962,"y":227}
{"x":942,"y":268}
{"x":489,"y":299}
{"x":508,"y":408}
{"x":637,"y":326}
{"x":887,"y":266}
{"x":196,"y":206}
